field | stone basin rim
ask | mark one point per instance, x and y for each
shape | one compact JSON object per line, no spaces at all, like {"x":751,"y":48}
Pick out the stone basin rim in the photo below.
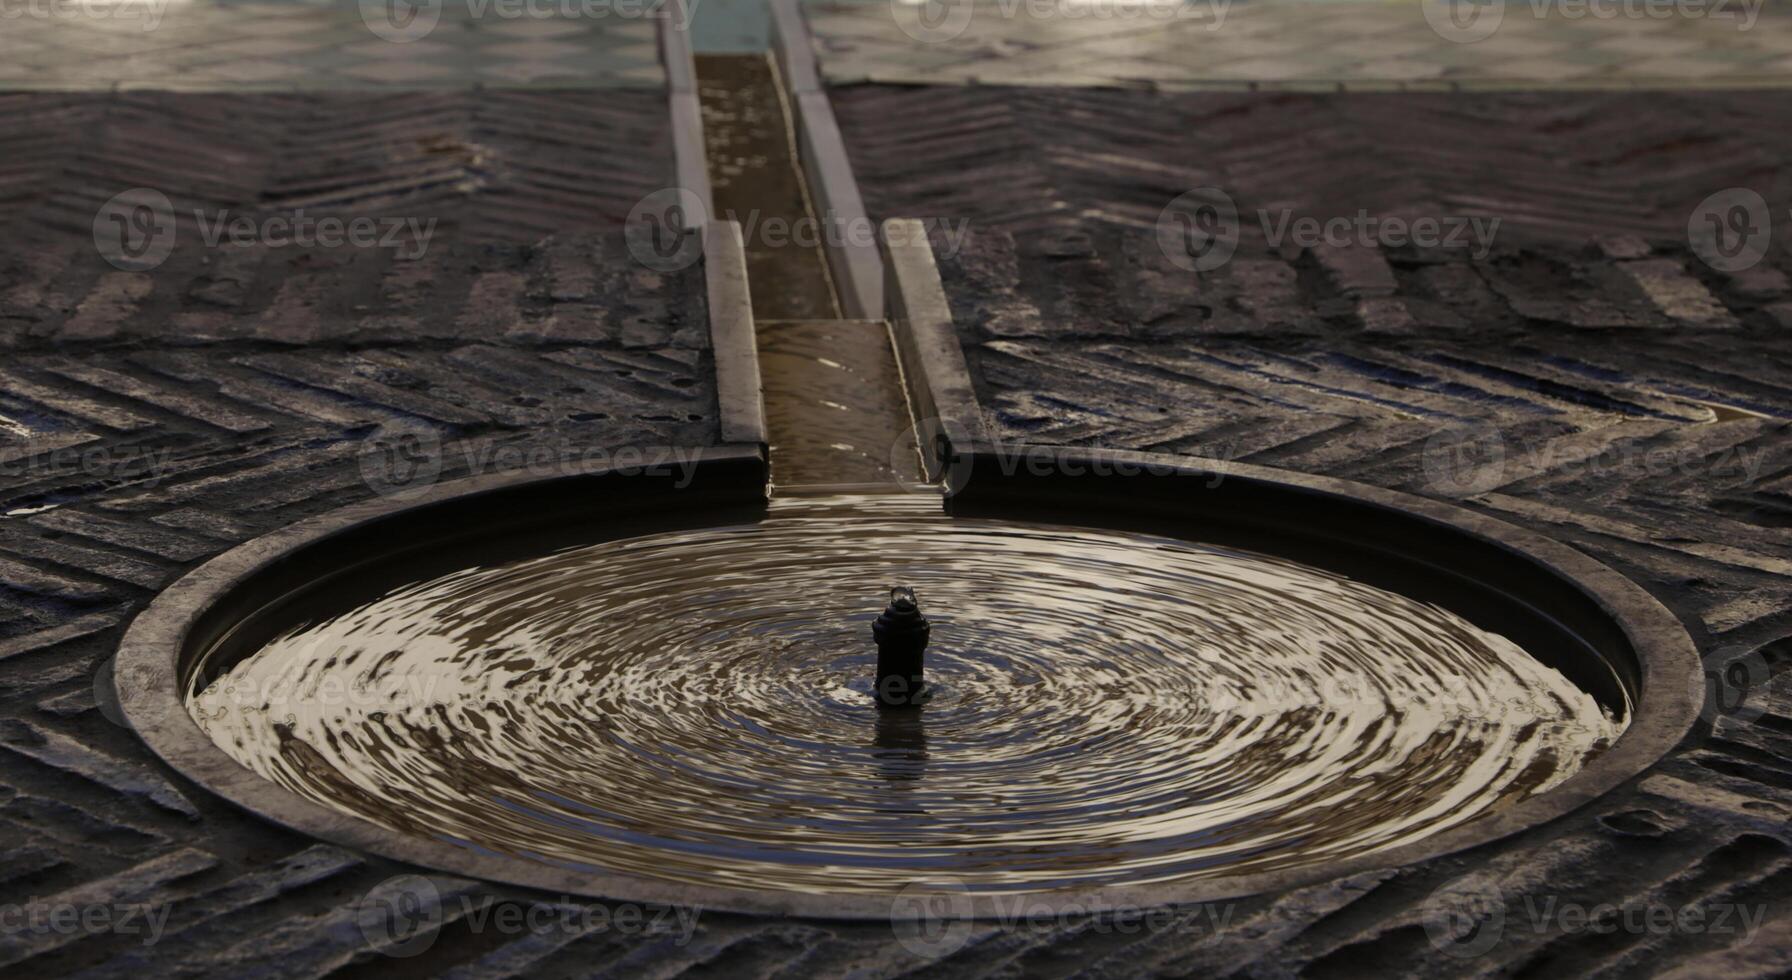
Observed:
{"x":155,"y":659}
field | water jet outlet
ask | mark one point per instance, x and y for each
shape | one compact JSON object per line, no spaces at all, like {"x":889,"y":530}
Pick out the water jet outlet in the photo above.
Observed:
{"x":901,"y":634}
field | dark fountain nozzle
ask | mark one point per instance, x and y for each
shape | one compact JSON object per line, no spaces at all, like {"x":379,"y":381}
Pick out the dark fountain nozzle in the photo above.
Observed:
{"x":901,"y":634}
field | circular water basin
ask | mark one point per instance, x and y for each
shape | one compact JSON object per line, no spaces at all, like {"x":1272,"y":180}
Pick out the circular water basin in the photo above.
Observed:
{"x":675,"y":703}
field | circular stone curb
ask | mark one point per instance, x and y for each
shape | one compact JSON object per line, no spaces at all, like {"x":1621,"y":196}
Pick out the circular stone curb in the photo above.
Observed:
{"x":154,"y":659}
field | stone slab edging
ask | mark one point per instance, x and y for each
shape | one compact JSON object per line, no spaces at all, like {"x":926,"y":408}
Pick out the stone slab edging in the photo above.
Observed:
{"x":932,"y":361}
{"x":690,"y":164}
{"x":739,"y":401}
{"x":740,"y":407}
{"x":856,"y":268}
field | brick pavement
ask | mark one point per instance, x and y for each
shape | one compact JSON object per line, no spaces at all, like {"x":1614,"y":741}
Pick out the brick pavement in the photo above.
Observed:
{"x":148,"y":420}
{"x":1306,"y":45}
{"x":1588,"y":377}
{"x":287,"y":46}
{"x":154,"y":415}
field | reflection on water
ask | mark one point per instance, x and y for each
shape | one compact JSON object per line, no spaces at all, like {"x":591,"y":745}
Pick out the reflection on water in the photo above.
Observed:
{"x":1107,"y":708}
{"x":901,"y":746}
{"x":834,"y":406}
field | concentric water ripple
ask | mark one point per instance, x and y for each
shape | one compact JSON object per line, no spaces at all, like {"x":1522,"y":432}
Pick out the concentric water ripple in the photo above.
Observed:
{"x":1107,"y":708}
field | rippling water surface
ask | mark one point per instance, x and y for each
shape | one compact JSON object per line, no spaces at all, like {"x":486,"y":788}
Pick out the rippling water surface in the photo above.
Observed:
{"x":1107,"y":708}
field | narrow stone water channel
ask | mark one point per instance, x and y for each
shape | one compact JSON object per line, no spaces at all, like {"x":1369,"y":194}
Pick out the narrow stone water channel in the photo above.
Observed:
{"x":834,"y":403}
{"x":755,"y":180}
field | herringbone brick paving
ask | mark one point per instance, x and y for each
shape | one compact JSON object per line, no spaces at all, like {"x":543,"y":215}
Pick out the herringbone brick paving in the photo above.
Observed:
{"x":497,"y":166}
{"x":129,"y":461}
{"x":1301,"y":45}
{"x":1552,"y":166}
{"x":260,"y":412}
{"x":204,"y":46}
{"x":1588,"y":377}
{"x":130,"y":458}
{"x":151,"y":419}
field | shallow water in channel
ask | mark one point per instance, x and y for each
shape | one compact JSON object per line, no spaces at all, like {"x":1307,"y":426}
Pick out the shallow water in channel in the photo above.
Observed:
{"x":1106,"y":708}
